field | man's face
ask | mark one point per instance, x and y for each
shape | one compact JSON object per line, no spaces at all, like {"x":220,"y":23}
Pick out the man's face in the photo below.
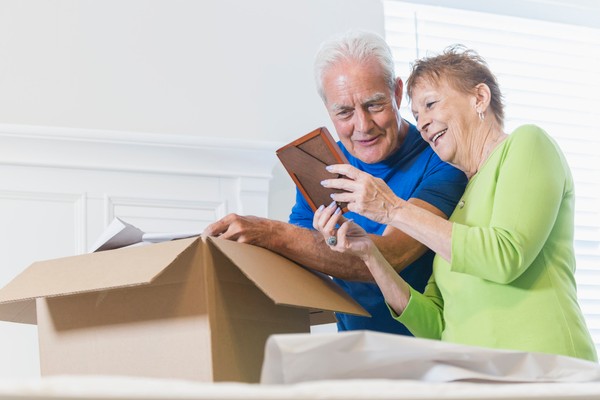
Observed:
{"x":363,"y":109}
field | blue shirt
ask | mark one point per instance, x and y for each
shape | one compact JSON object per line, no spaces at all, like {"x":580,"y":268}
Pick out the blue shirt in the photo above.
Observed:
{"x":413,"y":171}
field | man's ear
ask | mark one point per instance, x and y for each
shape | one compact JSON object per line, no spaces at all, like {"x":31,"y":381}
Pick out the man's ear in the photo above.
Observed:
{"x":398,"y":89}
{"x":483,"y":96}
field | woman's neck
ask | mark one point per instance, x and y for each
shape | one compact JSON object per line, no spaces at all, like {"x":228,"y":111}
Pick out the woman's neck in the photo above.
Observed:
{"x":481,"y":150}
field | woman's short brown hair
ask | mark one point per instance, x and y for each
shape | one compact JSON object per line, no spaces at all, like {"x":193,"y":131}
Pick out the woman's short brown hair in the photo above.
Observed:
{"x":463,"y":69}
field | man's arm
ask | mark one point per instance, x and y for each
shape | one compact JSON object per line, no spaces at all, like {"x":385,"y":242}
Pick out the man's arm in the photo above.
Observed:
{"x":308,"y":248}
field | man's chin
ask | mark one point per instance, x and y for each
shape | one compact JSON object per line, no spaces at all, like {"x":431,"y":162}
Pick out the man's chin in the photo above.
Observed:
{"x":370,"y":157}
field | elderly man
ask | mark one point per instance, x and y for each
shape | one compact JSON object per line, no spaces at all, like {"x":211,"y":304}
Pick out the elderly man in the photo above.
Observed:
{"x":356,"y":80}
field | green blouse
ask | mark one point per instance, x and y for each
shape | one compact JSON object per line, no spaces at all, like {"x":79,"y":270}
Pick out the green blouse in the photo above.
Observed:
{"x":510,"y":284}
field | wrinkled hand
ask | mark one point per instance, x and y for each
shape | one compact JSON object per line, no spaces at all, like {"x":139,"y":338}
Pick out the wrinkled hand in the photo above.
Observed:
{"x":351,"y":238}
{"x":365,"y":194}
{"x":243,"y":229}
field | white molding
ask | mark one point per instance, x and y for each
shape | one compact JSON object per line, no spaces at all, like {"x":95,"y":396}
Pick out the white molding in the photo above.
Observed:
{"x":57,"y":147}
{"x":77,"y":200}
{"x":80,"y":209}
{"x":111,"y":202}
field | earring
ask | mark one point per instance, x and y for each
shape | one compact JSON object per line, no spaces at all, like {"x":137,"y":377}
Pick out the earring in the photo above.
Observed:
{"x":481,"y":116}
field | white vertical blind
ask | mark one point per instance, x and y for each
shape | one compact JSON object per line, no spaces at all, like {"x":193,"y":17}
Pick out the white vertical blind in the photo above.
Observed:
{"x":549,"y":74}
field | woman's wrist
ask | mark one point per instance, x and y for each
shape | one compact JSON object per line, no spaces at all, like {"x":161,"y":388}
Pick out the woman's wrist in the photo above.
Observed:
{"x":372,"y":257}
{"x":394,"y":210}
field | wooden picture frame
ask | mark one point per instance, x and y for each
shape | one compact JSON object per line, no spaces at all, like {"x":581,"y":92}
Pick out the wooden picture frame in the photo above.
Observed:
{"x":305,"y":160}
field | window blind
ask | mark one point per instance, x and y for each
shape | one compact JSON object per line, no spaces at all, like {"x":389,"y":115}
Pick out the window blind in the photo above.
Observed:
{"x":549,"y":75}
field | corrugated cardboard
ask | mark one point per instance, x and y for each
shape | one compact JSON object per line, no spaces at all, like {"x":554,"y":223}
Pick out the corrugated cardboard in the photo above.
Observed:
{"x":199,"y":308}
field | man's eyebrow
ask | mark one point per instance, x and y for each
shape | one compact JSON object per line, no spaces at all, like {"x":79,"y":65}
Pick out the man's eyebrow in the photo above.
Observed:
{"x":375,"y":98}
{"x":335,"y":107}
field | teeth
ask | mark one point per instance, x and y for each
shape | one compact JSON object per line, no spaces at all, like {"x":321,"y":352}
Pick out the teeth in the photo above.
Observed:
{"x":438,"y":135}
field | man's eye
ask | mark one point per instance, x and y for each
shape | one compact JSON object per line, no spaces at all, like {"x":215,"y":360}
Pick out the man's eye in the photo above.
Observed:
{"x":376,"y":108}
{"x":344,"y":113}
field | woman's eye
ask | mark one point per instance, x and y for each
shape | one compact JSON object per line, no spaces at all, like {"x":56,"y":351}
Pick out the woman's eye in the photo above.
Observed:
{"x":430,"y":104}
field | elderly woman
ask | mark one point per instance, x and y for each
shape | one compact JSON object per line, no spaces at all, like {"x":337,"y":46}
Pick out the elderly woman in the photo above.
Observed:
{"x":503,"y":275}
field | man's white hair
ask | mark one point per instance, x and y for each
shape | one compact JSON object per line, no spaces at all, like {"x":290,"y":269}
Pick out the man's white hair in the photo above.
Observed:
{"x":356,"y":46}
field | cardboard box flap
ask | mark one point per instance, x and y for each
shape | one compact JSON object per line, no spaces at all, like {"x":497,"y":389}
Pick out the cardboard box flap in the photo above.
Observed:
{"x":23,"y":312}
{"x":123,"y":267}
{"x":286,"y":282}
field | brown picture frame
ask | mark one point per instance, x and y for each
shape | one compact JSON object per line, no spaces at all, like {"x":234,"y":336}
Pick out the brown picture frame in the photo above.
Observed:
{"x":305,"y":160}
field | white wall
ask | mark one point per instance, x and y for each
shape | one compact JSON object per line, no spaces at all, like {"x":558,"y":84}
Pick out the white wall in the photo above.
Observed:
{"x":123,"y":107}
{"x":213,"y":68}
{"x":225,"y":68}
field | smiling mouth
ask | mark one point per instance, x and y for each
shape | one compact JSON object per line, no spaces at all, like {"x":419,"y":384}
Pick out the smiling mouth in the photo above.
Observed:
{"x":438,"y":135}
{"x":367,"y":141}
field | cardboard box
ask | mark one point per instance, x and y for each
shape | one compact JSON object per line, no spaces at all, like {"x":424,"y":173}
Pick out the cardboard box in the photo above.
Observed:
{"x":199,"y":308}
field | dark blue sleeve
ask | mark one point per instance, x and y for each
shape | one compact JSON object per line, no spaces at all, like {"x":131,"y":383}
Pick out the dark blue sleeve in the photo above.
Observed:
{"x":302,"y":214}
{"x":442,"y":185}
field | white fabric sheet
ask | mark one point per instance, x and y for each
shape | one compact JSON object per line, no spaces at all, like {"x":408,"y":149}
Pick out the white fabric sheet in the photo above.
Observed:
{"x":124,"y":388}
{"x":352,"y":365}
{"x":294,"y":358}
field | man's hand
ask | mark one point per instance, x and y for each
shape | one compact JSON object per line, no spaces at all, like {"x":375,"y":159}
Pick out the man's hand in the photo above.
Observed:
{"x":242,"y":229}
{"x":307,"y":247}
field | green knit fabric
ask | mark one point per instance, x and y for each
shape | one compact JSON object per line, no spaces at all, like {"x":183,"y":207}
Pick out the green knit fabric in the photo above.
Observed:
{"x":510,"y":284}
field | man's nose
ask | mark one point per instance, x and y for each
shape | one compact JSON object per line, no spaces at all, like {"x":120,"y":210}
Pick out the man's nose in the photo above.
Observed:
{"x":364,"y":122}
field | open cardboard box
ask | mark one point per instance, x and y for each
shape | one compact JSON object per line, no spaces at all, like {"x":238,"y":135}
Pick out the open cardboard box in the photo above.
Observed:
{"x":199,"y":308}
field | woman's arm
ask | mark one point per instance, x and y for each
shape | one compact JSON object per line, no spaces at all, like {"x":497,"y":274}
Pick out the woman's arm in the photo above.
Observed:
{"x":373,"y":198}
{"x":352,"y":239}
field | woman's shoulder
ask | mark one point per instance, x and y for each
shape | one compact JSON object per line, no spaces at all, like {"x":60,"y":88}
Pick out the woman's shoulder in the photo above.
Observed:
{"x":530,"y":133}
{"x":534,"y":142}
{"x":532,"y":136}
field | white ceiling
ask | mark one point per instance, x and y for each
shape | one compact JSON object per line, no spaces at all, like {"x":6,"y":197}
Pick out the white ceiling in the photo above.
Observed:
{"x":577,"y":12}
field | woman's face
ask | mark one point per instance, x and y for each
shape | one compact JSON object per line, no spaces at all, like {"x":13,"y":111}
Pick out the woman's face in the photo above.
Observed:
{"x":446,"y":119}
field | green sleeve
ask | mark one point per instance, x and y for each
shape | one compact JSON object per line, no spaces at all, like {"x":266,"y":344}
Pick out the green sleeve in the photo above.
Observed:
{"x":423,"y":315}
{"x":531,"y":182}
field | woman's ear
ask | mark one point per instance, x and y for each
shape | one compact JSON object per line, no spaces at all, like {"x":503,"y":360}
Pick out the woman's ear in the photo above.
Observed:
{"x":483,"y":96}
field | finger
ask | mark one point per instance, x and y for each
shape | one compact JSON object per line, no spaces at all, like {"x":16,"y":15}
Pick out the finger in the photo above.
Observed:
{"x":332,"y":222}
{"x":344,"y":169}
{"x":208,"y":231}
{"x":340,"y":183}
{"x":342,"y":219}
{"x":342,"y":235}
{"x":323,"y":216}
{"x":230,"y":234}
{"x":344,"y":197}
{"x":215,"y":229}
{"x":344,"y":228}
{"x":318,"y":216}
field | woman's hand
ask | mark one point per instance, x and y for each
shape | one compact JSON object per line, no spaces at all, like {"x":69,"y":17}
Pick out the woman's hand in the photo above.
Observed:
{"x":352,"y":239}
{"x":366,"y":195}
{"x":348,"y":238}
